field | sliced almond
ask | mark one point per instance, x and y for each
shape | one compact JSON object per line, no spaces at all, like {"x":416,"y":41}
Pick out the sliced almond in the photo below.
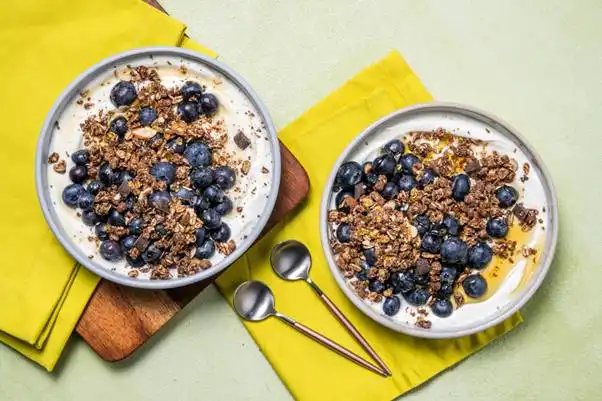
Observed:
{"x":144,"y":132}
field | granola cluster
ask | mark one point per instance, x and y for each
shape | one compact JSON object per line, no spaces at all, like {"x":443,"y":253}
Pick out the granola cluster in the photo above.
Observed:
{"x":153,"y":175}
{"x":422,"y":224}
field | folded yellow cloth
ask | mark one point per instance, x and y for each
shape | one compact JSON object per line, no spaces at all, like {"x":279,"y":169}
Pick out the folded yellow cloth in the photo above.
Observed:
{"x":45,"y":45}
{"x":310,"y":371}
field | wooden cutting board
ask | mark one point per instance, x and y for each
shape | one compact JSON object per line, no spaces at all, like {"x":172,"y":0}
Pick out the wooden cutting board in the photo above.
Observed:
{"x":120,"y":319}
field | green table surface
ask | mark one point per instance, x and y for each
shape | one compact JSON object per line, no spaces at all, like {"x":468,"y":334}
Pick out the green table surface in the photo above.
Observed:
{"x":537,"y":64}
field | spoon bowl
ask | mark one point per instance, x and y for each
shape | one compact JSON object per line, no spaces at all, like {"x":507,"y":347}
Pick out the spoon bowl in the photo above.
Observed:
{"x":254,"y":301}
{"x":291,"y":260}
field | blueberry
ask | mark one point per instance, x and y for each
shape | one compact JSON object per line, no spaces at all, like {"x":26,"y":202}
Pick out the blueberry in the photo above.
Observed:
{"x":362,"y":275}
{"x":123,"y":93}
{"x":106,"y":175}
{"x":370,"y":255}
{"x":402,"y":282}
{"x":349,"y":174}
{"x":78,"y":174}
{"x":431,"y":242}
{"x":479,"y":255}
{"x":454,"y":250}
{"x":390,"y":191}
{"x":448,"y":275}
{"x":339,"y":200}
{"x":95,"y":187}
{"x":185,"y":195}
{"x":370,"y":179}
{"x":407,"y":182}
{"x":394,"y":147}
{"x":176,"y":145}
{"x":417,"y":296}
{"x":151,"y":254}
{"x":102,"y":231}
{"x":201,"y":235}
{"x":110,"y":250}
{"x":376,"y":285}
{"x":90,"y":218}
{"x":497,"y":227}
{"x":422,"y":224}
{"x":160,"y":230}
{"x":116,"y":219}
{"x":147,"y":115}
{"x":136,"y":225}
{"x":446,"y":290}
{"x":206,"y":250}
{"x":71,"y":194}
{"x":343,"y":232}
{"x":155,"y":141}
{"x":211,"y":219}
{"x":80,"y":157}
{"x":506,"y":196}
{"x":475,"y":286}
{"x":214,"y":194}
{"x":202,"y":177}
{"x":452,"y":227}
{"x":85,"y":201}
{"x":198,"y":154}
{"x":160,"y":200}
{"x":164,"y":171}
{"x":222,"y":234}
{"x":224,"y":177}
{"x":123,"y":176}
{"x":190,"y":90}
{"x":188,"y":111}
{"x":119,"y":126}
{"x":128,"y":243}
{"x":384,"y":165}
{"x":428,"y":177}
{"x":442,"y":308}
{"x":460,"y":187}
{"x":208,"y":103}
{"x":201,"y":204}
{"x":391,"y":305}
{"x":224,"y":207}
{"x":135,"y":262}
{"x":407,"y":161}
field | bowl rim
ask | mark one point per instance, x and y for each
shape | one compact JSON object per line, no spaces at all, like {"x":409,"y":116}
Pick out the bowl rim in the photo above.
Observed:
{"x":81,"y":81}
{"x":516,"y":305}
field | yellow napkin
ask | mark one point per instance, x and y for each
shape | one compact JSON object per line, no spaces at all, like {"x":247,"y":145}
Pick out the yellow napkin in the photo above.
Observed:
{"x":45,"y":45}
{"x":310,"y":371}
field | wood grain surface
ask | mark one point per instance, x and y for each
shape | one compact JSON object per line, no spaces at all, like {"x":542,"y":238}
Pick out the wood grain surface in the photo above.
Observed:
{"x":119,"y":319}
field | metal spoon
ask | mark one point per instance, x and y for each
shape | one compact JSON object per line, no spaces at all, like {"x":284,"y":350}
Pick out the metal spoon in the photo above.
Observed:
{"x":254,"y":301}
{"x":291,"y":260}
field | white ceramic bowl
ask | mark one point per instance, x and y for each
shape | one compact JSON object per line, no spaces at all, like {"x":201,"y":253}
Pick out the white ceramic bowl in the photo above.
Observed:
{"x":99,"y":72}
{"x":510,"y":297}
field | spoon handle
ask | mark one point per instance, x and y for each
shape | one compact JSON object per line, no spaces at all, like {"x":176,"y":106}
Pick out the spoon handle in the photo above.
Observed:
{"x":328,"y":343}
{"x":349,"y":326}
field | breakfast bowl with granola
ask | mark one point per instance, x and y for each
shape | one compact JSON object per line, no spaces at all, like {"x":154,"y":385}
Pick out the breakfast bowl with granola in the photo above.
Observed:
{"x":439,"y":221}
{"x":157,"y":168}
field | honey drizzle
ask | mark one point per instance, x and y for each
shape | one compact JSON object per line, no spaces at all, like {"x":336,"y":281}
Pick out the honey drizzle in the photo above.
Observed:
{"x":498,"y":269}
